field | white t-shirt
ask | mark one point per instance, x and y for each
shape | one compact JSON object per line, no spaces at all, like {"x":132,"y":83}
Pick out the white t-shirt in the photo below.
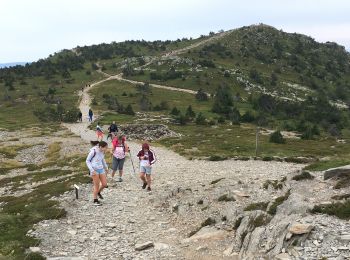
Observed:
{"x":144,"y":162}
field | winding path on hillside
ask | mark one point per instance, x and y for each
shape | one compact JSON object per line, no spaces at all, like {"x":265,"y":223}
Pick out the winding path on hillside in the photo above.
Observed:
{"x":170,"y":53}
{"x":130,"y":215}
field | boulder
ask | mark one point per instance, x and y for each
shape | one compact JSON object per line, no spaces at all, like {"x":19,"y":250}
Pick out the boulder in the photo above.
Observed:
{"x":299,"y":229}
{"x":34,"y":249}
{"x":338,"y":172}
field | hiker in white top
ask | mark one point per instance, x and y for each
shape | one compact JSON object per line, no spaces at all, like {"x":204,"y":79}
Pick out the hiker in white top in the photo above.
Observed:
{"x":119,"y":150}
{"x":98,"y":168}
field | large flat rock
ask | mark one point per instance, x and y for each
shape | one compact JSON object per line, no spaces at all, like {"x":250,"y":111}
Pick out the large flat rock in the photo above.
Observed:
{"x":338,"y":172}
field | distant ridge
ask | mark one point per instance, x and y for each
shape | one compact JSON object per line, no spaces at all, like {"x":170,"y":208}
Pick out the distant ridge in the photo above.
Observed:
{"x":12,"y":64}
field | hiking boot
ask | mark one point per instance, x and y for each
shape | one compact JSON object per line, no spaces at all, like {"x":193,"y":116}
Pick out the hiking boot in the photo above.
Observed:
{"x":120,"y":179}
{"x":97,"y":202}
{"x":100,"y":195}
{"x":149,"y":189}
{"x":144,"y":186}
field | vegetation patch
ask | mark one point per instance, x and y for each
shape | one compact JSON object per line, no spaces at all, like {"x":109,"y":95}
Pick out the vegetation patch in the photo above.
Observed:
{"x":20,"y":213}
{"x":325,"y":165}
{"x":261,"y":220}
{"x":226,"y":197}
{"x":276,"y":184}
{"x":257,"y":206}
{"x":305,"y":175}
{"x":8,"y":165}
{"x":339,"y":209}
{"x":208,"y":222}
{"x":52,"y":154}
{"x":343,"y":182}
{"x":273,"y":208}
{"x":217,"y":158}
{"x":11,"y":151}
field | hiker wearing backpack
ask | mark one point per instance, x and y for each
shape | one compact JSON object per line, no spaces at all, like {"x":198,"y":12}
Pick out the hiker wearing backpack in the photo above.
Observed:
{"x":119,"y":150}
{"x":147,"y":158}
{"x":112,"y":130}
{"x":91,"y":114}
{"x":98,"y":168}
{"x":99,"y":132}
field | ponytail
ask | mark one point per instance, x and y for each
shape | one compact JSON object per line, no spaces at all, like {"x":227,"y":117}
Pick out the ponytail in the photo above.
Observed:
{"x":94,"y":143}
{"x":102,"y":144}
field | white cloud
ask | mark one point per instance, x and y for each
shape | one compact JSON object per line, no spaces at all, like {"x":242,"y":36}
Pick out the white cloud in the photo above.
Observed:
{"x":33,"y":29}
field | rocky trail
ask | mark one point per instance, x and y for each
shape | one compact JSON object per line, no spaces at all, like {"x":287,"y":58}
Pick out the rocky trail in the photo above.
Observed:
{"x":195,"y":211}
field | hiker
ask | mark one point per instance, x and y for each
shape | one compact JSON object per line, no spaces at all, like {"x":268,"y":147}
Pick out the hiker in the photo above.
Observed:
{"x":112,"y":130}
{"x":80,"y":116}
{"x":119,"y":150}
{"x":98,"y":168}
{"x":90,"y":115}
{"x":147,"y":158}
{"x":99,"y":132}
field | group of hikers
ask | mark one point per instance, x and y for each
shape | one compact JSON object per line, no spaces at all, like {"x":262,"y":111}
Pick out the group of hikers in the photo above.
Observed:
{"x":98,"y":167}
{"x":90,"y":115}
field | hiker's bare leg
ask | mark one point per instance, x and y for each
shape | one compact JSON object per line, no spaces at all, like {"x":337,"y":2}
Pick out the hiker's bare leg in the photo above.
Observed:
{"x":148,"y":179}
{"x":103,"y":180}
{"x":96,"y":184}
{"x":120,"y":173}
{"x":142,"y":177}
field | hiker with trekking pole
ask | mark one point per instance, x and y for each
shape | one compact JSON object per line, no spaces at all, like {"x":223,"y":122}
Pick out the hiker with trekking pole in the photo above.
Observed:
{"x":147,"y":158}
{"x":98,"y":168}
{"x":119,"y":150}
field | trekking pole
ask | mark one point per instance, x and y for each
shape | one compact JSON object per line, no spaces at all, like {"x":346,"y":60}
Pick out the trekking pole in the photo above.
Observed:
{"x":132,"y":162}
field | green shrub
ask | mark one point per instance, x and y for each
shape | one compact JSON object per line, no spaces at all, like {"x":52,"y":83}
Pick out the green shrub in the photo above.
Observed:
{"x":248,"y":117}
{"x":226,"y":197}
{"x":339,"y":209}
{"x":277,"y":138}
{"x":175,"y":111}
{"x":257,"y":206}
{"x":303,"y":176}
{"x":200,"y":119}
{"x":216,"y":158}
{"x":201,"y":95}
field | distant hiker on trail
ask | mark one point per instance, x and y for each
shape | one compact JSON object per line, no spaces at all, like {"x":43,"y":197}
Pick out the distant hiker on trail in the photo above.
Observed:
{"x":91,"y":114}
{"x":80,"y":116}
{"x":147,"y":158}
{"x":99,"y":132}
{"x":112,"y":130}
{"x":98,"y":168}
{"x":119,"y":150}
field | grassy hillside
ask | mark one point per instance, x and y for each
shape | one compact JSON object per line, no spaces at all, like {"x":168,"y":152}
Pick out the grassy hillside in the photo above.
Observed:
{"x":266,"y":77}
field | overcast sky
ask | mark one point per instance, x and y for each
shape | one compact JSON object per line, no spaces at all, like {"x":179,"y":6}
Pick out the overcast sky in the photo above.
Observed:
{"x":33,"y":29}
